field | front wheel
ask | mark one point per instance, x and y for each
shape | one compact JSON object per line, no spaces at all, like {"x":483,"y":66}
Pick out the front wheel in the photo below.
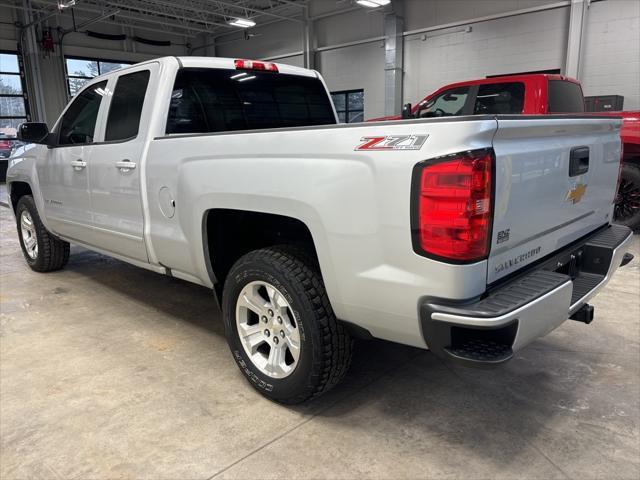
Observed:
{"x":627,"y":208}
{"x":42,"y":251}
{"x":280,"y":327}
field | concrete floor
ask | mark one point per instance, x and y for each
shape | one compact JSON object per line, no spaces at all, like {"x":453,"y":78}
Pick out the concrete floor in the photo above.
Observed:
{"x":108,"y":371}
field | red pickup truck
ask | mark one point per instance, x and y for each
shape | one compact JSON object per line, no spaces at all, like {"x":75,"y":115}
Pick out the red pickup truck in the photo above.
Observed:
{"x":537,"y":94}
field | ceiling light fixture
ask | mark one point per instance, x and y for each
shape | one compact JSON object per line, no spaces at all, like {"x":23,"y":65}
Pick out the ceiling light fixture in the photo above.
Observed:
{"x":69,"y":3}
{"x":373,"y":3}
{"x":242,"y":22}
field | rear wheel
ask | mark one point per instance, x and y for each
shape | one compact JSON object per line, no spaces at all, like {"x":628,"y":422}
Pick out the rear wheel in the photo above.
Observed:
{"x":42,"y":251}
{"x":627,"y":208}
{"x":280,"y":326}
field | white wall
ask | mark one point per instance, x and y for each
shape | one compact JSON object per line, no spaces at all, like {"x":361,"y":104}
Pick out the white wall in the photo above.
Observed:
{"x":357,"y":67}
{"x":611,"y":61}
{"x":531,"y":42}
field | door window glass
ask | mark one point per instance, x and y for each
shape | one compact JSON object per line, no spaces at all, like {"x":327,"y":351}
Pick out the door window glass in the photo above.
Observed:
{"x":448,"y":103}
{"x":500,"y":98}
{"x":79,"y":122}
{"x":126,"y":106}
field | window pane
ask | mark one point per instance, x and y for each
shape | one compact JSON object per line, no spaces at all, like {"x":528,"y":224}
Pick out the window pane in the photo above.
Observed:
{"x":500,"y":98}
{"x":82,"y":68}
{"x":79,"y":122}
{"x":9,"y":63}
{"x":12,"y":107}
{"x":565,"y":97}
{"x":126,"y":106}
{"x":339,"y":100}
{"x":106,"y":67}
{"x":450,"y":102}
{"x":356,"y":100}
{"x":9,"y":126}
{"x":10,"y":84}
{"x":217,"y":100}
{"x":356,"y":117}
{"x":342,"y":117}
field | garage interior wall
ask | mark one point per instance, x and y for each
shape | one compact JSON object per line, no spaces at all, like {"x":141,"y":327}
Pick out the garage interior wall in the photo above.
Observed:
{"x":349,"y":45}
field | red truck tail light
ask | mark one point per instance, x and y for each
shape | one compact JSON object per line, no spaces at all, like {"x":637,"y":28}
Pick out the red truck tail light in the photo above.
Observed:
{"x":453,"y":205}
{"x":255,"y":65}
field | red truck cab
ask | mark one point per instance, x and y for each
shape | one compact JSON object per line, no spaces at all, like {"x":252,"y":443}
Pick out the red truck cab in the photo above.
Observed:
{"x":537,"y":94}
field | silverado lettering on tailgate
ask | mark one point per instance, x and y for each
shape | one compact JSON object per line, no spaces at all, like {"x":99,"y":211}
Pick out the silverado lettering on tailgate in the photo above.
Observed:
{"x":512,"y":262}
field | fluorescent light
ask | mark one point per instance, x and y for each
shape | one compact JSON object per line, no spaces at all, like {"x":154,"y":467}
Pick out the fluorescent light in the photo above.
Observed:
{"x":373,"y":3}
{"x":68,"y":4}
{"x":247,"y":78}
{"x":238,"y":75}
{"x":242,"y":22}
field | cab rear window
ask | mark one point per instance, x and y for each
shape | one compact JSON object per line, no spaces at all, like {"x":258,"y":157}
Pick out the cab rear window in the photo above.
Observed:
{"x":564,"y":97}
{"x":206,"y":100}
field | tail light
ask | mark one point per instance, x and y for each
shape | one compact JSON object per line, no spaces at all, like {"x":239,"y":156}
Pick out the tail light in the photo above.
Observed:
{"x":452,"y":206}
{"x":255,"y":65}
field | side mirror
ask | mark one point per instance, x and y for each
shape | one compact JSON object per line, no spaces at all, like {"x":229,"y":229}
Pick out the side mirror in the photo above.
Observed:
{"x":406,"y":111}
{"x":33,"y":132}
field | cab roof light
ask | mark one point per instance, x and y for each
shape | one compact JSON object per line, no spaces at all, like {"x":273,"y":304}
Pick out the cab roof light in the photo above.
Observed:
{"x":255,"y":65}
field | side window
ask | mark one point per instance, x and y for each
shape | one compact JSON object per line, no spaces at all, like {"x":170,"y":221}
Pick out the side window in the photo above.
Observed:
{"x":125,"y":110}
{"x":448,"y":103}
{"x":79,"y":121}
{"x":500,"y":98}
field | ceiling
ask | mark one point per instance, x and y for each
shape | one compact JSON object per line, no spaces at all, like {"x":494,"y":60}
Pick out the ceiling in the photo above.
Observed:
{"x":181,"y":17}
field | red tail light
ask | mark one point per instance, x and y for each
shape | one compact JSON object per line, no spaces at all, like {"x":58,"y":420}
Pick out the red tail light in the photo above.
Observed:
{"x":453,"y":206}
{"x":255,"y":65}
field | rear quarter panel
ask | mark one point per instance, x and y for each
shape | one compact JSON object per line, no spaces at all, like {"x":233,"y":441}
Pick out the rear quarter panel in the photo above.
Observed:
{"x":356,"y":205}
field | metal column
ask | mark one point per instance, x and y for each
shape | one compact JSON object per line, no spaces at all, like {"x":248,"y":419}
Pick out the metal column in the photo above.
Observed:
{"x":33,"y":75}
{"x":393,"y":59}
{"x":577,"y":26}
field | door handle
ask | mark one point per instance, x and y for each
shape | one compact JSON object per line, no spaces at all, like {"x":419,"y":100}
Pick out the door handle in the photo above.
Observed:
{"x":125,"y":165}
{"x":578,"y":161}
{"x":78,"y":164}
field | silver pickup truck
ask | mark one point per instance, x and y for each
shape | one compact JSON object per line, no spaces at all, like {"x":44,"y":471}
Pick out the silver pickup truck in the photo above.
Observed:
{"x":470,"y":236}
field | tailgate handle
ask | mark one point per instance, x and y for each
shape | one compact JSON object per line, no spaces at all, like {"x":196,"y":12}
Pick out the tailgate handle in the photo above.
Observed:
{"x":578,"y":161}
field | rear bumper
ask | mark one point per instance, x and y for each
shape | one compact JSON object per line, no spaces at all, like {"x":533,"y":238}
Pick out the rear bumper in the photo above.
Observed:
{"x":488,"y":330}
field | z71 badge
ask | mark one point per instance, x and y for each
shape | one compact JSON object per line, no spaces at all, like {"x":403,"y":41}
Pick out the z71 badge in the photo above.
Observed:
{"x":393,"y":142}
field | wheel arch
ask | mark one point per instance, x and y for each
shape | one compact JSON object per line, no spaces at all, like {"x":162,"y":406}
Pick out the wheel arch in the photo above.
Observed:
{"x":229,"y":234}
{"x":17,"y":190}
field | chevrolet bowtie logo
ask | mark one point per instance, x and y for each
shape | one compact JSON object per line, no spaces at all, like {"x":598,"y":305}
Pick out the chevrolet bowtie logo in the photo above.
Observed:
{"x":576,"y":193}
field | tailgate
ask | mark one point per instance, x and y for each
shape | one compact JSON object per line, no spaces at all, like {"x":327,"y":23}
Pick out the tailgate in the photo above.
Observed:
{"x":556,"y":179}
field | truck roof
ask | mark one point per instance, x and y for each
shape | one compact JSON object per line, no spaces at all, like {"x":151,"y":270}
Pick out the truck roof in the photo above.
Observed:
{"x":525,"y":77}
{"x":215,"y":62}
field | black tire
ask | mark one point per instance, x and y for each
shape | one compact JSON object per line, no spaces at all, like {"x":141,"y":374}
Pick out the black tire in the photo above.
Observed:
{"x":627,"y":209}
{"x":325,"y":345}
{"x":53,"y":253}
